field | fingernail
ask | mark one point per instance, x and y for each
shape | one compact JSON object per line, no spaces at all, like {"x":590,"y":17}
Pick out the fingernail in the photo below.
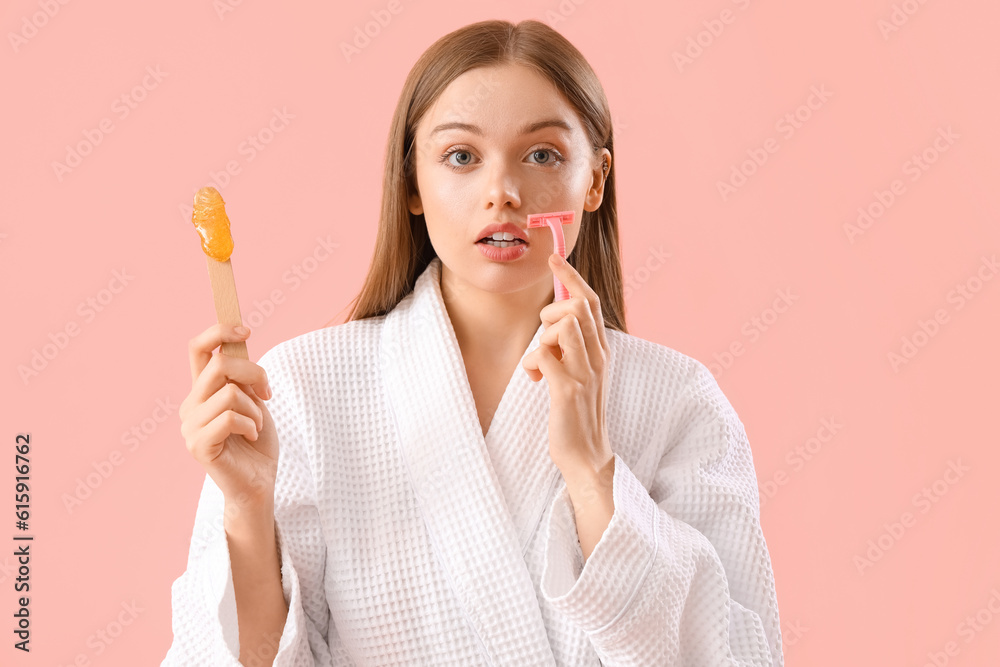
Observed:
{"x":557,"y":259}
{"x":241,"y":331}
{"x":267,"y":391}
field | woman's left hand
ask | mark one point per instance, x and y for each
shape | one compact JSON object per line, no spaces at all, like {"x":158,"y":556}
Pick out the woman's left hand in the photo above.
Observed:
{"x":572,"y":355}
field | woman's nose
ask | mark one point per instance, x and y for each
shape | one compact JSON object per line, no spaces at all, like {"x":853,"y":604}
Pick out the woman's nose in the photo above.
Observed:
{"x":503,"y":187}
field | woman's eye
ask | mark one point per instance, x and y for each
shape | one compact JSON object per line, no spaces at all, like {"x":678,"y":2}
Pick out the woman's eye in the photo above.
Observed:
{"x":465,"y":159}
{"x":461,"y":161}
{"x":544,"y":151}
{"x":549,"y":157}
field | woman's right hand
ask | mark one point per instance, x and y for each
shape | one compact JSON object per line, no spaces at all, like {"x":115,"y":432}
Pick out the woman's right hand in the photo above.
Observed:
{"x":225,"y":423}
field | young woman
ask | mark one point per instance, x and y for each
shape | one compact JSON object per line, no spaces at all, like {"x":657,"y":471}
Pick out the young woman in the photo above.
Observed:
{"x":471,"y":472}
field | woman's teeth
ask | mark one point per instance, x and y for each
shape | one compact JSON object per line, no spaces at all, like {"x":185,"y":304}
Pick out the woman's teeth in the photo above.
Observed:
{"x":503,"y":244}
{"x":502,"y":240}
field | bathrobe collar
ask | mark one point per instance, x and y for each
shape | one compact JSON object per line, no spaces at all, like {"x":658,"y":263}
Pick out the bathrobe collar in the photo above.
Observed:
{"x":479,"y":536}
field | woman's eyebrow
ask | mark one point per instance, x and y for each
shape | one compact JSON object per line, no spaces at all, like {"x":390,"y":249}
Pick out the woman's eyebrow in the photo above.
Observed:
{"x":527,"y":129}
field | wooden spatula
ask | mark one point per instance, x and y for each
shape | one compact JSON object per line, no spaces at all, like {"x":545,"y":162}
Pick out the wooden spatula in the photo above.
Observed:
{"x":210,"y":219}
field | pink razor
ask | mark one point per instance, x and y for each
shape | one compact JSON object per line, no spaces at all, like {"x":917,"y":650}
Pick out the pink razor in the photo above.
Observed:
{"x":555,"y":221}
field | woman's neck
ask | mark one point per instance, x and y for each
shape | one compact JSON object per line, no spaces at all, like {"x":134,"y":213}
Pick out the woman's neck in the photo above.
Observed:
{"x":491,"y":325}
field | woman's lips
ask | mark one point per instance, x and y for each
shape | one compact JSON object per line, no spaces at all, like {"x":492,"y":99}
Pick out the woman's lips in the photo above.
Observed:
{"x":498,"y":254}
{"x":516,"y":241}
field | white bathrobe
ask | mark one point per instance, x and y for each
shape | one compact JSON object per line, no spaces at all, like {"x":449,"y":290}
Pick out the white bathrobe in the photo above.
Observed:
{"x":407,"y":538}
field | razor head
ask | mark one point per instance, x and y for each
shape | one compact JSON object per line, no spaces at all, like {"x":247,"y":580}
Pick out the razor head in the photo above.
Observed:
{"x":541,"y":219}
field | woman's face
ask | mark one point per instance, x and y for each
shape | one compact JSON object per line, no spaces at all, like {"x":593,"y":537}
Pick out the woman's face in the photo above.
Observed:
{"x":493,"y":171}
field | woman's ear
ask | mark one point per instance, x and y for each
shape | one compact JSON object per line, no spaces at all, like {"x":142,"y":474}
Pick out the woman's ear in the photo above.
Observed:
{"x":595,"y":195}
{"x":415,"y":205}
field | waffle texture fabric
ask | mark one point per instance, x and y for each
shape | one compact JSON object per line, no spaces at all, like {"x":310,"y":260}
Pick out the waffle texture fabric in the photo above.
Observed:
{"x":408,"y":538}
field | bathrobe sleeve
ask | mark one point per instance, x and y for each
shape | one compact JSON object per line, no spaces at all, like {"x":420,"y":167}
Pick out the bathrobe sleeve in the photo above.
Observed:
{"x":206,"y":631}
{"x":682,"y":574}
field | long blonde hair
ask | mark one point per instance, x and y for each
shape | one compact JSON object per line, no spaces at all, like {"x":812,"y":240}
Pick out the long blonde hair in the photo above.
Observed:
{"x":402,"y":246}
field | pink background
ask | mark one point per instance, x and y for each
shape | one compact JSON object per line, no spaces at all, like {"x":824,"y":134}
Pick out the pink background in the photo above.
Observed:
{"x":829,"y":495}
